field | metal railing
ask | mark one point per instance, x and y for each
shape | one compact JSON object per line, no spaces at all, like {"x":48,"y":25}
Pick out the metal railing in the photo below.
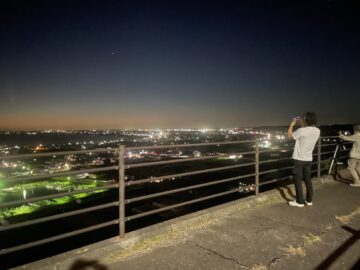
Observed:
{"x":254,"y":164}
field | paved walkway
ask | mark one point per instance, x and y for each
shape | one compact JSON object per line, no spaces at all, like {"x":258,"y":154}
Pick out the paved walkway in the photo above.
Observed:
{"x":271,"y":235}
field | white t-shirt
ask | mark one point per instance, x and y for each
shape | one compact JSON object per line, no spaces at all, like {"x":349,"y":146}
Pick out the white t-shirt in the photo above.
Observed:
{"x":306,"y":139}
{"x":355,"y":150}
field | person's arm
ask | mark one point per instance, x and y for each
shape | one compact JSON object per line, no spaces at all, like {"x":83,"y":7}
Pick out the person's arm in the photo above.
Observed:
{"x":290,"y":129}
{"x":350,"y":138}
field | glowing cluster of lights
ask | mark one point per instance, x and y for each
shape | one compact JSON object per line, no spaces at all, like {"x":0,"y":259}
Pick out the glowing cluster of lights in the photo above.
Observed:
{"x":235,"y":156}
{"x":11,"y":164}
{"x":265,"y":144}
{"x":39,"y":147}
{"x":245,"y":188}
{"x":159,"y":180}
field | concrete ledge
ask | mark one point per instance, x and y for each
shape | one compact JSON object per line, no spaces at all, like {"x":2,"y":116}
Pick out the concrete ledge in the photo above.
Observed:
{"x":173,"y":228}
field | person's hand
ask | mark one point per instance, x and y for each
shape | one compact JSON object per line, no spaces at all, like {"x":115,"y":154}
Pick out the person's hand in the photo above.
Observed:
{"x":293,"y":122}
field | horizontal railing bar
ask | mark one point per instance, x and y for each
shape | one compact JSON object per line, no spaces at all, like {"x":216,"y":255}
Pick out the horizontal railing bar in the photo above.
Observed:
{"x":334,"y":137}
{"x":142,"y":181}
{"x":60,"y":153}
{"x":187,"y":145}
{"x":100,"y":150}
{"x":57,"y":195}
{"x":329,"y":144}
{"x":326,"y":153}
{"x":135,"y":199}
{"x":334,"y":144}
{"x":331,"y":137}
{"x":289,"y":149}
{"x":289,"y":177}
{"x":58,"y":237}
{"x":275,"y":180}
{"x":274,"y":160}
{"x":276,"y":170}
{"x":67,"y":173}
{"x":332,"y":152}
{"x":58,"y":216}
{"x":145,"y":164}
{"x":323,"y":169}
{"x":274,"y":150}
{"x":180,"y":204}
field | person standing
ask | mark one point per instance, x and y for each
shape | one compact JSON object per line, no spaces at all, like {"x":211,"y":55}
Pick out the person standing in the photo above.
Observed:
{"x":305,"y":139}
{"x":354,"y":160}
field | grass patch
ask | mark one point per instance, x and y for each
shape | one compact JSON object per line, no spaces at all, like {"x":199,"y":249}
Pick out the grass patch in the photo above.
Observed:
{"x":20,"y":210}
{"x":179,"y":232}
{"x":144,"y":246}
{"x":39,"y":205}
{"x":295,"y":250}
{"x":345,"y":219}
{"x":258,"y":266}
{"x":58,"y":185}
{"x":310,"y":239}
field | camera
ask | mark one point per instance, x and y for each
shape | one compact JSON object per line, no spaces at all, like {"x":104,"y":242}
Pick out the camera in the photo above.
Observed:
{"x":344,"y":132}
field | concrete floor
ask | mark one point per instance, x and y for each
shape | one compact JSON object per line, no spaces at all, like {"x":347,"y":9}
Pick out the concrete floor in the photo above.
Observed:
{"x":269,"y":235}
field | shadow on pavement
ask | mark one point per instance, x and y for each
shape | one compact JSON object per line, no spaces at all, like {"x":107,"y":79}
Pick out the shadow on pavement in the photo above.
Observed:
{"x":286,"y":193}
{"x":356,"y":266}
{"x":87,"y":265}
{"x":340,"y":250}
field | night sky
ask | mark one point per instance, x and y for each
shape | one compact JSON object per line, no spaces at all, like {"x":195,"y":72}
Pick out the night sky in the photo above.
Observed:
{"x":170,"y":64}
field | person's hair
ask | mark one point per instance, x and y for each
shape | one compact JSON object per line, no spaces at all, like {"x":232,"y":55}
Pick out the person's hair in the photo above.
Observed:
{"x":310,"y":118}
{"x":356,"y":128}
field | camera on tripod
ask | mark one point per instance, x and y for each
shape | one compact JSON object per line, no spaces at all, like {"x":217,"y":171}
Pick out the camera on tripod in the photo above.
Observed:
{"x":336,"y":158}
{"x":344,"y":132}
{"x":341,"y":142}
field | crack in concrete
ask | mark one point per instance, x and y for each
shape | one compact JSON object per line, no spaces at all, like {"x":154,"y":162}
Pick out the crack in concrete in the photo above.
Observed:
{"x":218,"y":254}
{"x":274,"y":260}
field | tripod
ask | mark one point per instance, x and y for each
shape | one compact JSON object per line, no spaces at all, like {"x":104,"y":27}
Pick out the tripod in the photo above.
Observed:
{"x":335,"y":159}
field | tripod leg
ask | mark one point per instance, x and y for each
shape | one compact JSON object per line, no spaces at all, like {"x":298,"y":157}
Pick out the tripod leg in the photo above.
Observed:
{"x":333,"y":160}
{"x":336,"y":168}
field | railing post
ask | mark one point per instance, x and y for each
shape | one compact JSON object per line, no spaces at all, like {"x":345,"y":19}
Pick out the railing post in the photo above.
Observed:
{"x":257,"y":167}
{"x":122,"y":191}
{"x":319,"y":158}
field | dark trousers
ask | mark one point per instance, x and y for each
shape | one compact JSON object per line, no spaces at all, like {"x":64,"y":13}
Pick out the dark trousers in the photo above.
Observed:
{"x":302,"y":170}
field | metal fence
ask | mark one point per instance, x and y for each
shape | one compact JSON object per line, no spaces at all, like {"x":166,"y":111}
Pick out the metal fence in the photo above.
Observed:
{"x":122,"y":184}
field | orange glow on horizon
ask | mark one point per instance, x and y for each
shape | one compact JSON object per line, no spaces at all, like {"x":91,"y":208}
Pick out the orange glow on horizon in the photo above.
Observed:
{"x":42,"y":122}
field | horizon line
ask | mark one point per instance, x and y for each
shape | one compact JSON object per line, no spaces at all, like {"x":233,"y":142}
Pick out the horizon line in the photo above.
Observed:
{"x":182,"y":128}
